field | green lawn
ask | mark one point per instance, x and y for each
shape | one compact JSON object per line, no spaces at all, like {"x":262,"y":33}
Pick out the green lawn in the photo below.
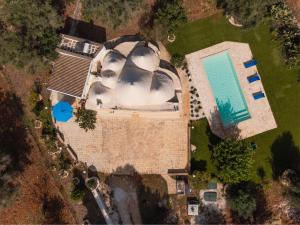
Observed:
{"x":280,"y":83}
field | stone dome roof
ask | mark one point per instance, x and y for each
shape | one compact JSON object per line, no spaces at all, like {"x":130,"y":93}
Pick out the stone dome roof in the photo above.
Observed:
{"x":113,"y":61}
{"x":162,"y":88}
{"x":145,"y":58}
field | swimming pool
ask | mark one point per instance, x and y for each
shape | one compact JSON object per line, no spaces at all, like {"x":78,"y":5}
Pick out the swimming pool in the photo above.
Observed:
{"x":226,"y":88}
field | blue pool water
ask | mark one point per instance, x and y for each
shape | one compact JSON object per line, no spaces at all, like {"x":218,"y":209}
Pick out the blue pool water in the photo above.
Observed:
{"x":226,"y":88}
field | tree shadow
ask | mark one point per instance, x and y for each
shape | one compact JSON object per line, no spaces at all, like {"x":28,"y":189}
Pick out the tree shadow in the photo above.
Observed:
{"x":261,"y":173}
{"x":125,"y":38}
{"x":210,"y":214}
{"x":60,"y":6}
{"x":85,"y":30}
{"x":14,"y":142}
{"x":52,"y":208}
{"x":93,"y":213}
{"x":262,"y":213}
{"x":224,"y":120}
{"x":199,"y":165}
{"x":151,"y":190}
{"x":285,"y":155}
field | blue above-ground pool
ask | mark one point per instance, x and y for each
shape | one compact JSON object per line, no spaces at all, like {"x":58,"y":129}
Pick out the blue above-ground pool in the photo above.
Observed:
{"x":226,"y":88}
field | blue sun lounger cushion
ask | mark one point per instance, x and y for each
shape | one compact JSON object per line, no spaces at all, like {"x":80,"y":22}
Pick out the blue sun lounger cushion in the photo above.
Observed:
{"x":250,"y":63}
{"x":258,"y":95}
{"x":253,"y":78}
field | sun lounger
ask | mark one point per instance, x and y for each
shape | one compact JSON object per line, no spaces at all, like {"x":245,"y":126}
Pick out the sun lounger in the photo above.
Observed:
{"x":250,"y":63}
{"x":253,"y":78}
{"x":258,"y":95}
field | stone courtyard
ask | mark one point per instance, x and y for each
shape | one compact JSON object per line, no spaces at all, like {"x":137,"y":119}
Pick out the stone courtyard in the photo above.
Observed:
{"x":150,"y":145}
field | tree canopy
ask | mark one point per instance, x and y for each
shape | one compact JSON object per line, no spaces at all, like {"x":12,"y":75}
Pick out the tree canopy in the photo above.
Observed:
{"x":28,"y":33}
{"x":170,"y":14}
{"x":246,"y":12}
{"x":243,"y":203}
{"x":233,"y":160}
{"x":86,"y":118}
{"x":112,"y":12}
{"x":287,"y":32}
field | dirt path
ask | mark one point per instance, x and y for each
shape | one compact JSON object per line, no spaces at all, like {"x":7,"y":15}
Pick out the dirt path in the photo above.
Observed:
{"x":76,"y":16}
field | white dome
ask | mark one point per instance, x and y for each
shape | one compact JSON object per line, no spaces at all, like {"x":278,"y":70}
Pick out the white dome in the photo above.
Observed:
{"x":133,"y":87}
{"x":162,"y":88}
{"x":113,"y":61}
{"x":99,"y":94}
{"x":145,"y":58}
{"x":108,"y":78}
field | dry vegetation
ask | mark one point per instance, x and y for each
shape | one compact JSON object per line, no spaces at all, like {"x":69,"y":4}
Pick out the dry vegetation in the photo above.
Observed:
{"x":38,"y":199}
{"x":295,"y":6}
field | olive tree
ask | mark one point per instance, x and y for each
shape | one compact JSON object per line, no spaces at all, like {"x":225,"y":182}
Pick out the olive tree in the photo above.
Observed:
{"x":243,"y":203}
{"x":86,"y":118}
{"x":233,"y":160}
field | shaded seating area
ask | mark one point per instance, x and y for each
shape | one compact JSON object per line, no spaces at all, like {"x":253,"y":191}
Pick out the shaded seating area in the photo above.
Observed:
{"x":253,"y":78}
{"x":258,"y":95}
{"x":250,"y":63}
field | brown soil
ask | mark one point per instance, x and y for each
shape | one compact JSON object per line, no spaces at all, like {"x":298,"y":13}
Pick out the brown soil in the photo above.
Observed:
{"x":295,"y":7}
{"x":197,"y":9}
{"x":39,"y":199}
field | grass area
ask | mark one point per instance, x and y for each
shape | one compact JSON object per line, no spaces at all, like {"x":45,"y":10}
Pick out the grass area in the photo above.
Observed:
{"x":280,"y":83}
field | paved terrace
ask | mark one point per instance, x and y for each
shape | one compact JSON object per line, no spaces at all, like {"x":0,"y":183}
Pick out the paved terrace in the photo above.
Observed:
{"x":262,"y":118}
{"x":150,"y":145}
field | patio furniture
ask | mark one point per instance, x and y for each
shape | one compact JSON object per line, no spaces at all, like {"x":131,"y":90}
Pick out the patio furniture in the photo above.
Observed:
{"x":250,"y":63}
{"x":253,"y":78}
{"x":258,"y":95}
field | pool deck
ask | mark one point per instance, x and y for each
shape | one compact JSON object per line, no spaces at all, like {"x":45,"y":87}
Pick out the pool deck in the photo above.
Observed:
{"x":262,"y":118}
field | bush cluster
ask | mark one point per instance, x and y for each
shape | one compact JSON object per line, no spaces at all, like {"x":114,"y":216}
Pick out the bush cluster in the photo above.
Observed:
{"x":285,"y":29}
{"x":113,"y":12}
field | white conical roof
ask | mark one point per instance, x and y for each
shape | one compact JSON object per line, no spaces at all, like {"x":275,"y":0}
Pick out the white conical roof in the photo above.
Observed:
{"x":113,"y":61}
{"x":99,"y":94}
{"x":145,"y":58}
{"x":109,"y":78}
{"x":162,"y":88}
{"x":133,"y":87}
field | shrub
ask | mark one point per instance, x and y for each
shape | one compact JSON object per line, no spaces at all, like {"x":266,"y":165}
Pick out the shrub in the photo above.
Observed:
{"x":199,"y":179}
{"x":177,"y":60}
{"x":286,"y":30}
{"x":86,"y":118}
{"x":64,"y":161}
{"x":8,"y":191}
{"x":77,"y":192}
{"x":233,"y":160}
